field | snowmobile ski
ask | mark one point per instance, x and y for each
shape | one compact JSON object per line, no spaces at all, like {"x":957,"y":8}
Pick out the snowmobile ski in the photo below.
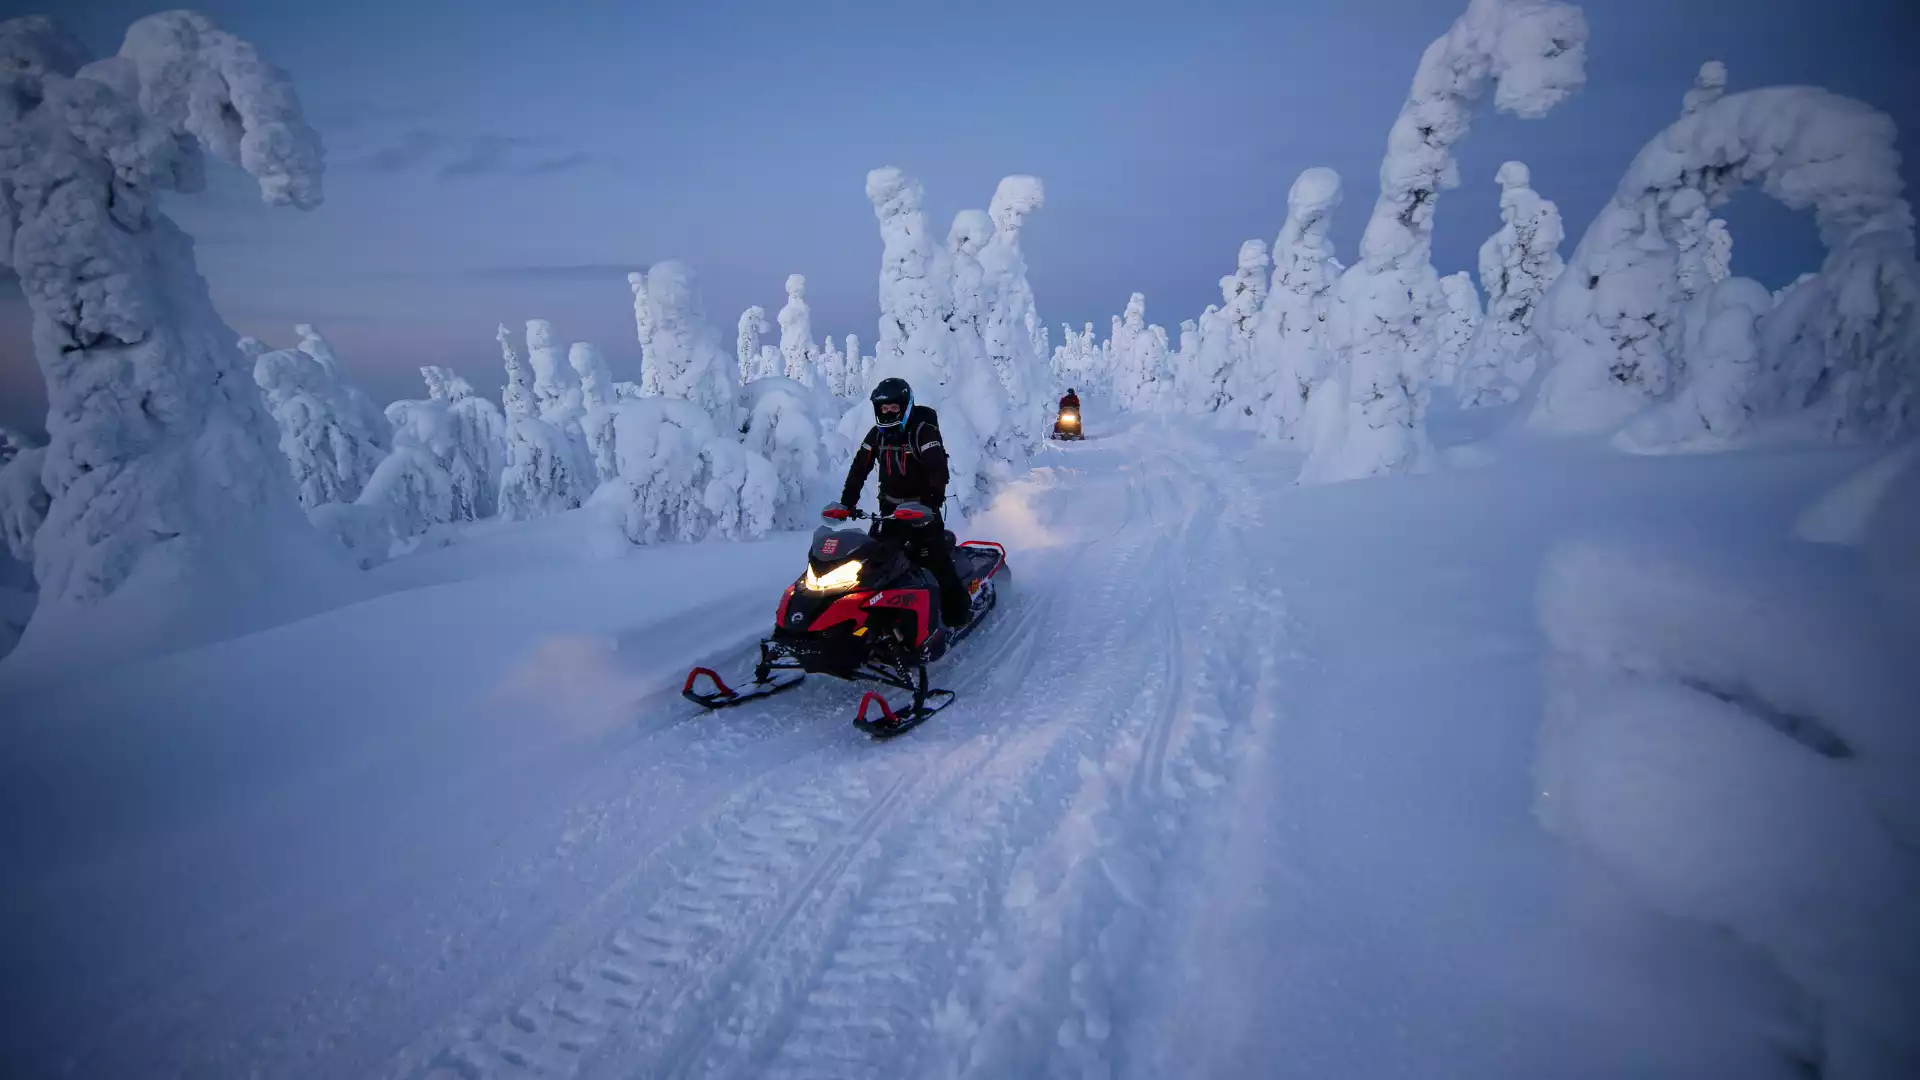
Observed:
{"x":725,"y":697}
{"x":889,"y":723}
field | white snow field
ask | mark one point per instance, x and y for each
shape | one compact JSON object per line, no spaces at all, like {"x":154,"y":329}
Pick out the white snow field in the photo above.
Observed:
{"x":1241,"y":782}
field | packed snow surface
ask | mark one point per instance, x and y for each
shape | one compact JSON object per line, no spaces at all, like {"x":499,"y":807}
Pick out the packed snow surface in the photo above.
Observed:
{"x":1241,"y":781}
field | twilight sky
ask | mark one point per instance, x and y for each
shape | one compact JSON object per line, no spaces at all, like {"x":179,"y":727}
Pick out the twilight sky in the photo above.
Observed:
{"x":491,"y":161}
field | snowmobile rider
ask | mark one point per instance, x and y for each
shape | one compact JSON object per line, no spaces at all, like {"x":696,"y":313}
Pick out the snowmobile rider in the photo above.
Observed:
{"x":905,"y":441}
{"x":1071,"y":401}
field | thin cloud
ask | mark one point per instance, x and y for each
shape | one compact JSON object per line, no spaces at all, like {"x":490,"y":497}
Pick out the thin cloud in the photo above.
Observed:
{"x":416,"y":147}
{"x":554,"y":272}
{"x":452,"y":158}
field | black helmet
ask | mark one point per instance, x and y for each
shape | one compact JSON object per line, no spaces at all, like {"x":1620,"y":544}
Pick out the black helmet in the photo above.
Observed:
{"x":892,"y":401}
{"x":1069,"y":389}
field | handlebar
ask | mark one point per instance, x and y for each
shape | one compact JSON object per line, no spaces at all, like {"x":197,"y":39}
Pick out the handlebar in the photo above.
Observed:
{"x":854,"y":513}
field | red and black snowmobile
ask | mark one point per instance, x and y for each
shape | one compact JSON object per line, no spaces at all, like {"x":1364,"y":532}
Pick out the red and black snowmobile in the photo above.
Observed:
{"x":865,"y":613}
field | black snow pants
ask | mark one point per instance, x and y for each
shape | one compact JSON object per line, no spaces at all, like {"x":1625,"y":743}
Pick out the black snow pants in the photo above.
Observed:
{"x":930,"y":545}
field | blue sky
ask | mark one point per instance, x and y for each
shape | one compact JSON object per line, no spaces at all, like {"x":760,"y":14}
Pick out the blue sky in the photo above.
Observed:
{"x":490,"y":162}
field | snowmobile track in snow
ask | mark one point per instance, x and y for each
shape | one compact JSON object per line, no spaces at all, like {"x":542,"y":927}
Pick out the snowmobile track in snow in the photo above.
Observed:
{"x":880,"y":909}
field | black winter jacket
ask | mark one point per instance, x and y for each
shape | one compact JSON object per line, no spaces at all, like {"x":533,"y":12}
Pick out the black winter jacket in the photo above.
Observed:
{"x":913,"y":463}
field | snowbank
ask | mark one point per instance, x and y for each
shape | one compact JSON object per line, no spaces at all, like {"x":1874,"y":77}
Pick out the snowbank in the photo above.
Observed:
{"x":1728,"y":735}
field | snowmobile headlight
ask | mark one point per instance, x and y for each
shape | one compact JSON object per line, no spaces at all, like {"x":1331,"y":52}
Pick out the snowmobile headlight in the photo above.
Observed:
{"x":1069,"y":418}
{"x":844,"y":576}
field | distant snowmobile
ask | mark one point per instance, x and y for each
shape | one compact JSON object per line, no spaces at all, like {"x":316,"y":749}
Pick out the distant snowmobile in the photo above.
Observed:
{"x":1067,"y":424}
{"x":863,"y":611}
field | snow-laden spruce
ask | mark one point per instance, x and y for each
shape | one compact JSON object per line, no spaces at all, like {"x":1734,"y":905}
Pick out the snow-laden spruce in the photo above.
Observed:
{"x":1460,"y":319}
{"x":331,"y":435}
{"x":1517,"y":266}
{"x":798,"y":354}
{"x":1719,"y":334}
{"x":915,"y":343}
{"x":1386,"y":304}
{"x":1836,"y":354}
{"x":1141,"y":378}
{"x":679,"y":471}
{"x":833,"y":368}
{"x":1227,"y":381}
{"x":23,"y":498}
{"x":680,"y":352}
{"x":1078,"y":361}
{"x":1291,"y":335}
{"x":1015,"y":344}
{"x":162,"y":468}
{"x":544,"y":471}
{"x":747,"y":348}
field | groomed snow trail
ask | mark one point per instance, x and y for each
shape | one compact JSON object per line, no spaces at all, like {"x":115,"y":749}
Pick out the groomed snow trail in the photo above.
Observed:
{"x":966,"y":900}
{"x":1236,"y":784}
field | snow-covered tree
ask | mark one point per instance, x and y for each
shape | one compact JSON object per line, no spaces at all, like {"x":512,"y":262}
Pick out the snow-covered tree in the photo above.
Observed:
{"x":543,"y":472}
{"x":477,"y":440}
{"x":556,"y":390}
{"x":1016,"y":352}
{"x":1720,"y":350}
{"x":797,"y":351}
{"x":359,"y":410}
{"x":1709,"y":86}
{"x":1838,"y":350}
{"x":1078,"y":361}
{"x":916,"y":304}
{"x":679,"y":471}
{"x":977,"y":387}
{"x":598,"y":394}
{"x":859,"y":370}
{"x":1517,"y":266}
{"x":1186,"y":360}
{"x":1141,"y":377}
{"x":833,"y":368}
{"x":914,"y":299}
{"x":1291,"y":335}
{"x":1719,"y":253}
{"x":791,"y":426}
{"x":1534,"y":52}
{"x":23,"y":498}
{"x":1460,"y":318}
{"x":1226,"y":341}
{"x":746,"y":348}
{"x":332,"y":438}
{"x":681,"y":355}
{"x":162,"y":467}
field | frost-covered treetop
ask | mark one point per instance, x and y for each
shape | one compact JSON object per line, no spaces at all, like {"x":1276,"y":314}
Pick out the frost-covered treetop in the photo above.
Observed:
{"x":892,"y":192}
{"x":1514,"y":175}
{"x":1015,"y":198}
{"x":182,"y":86}
{"x":1315,"y":192}
{"x":796,"y":286}
{"x":1534,"y":50}
{"x":970,"y":232}
{"x":1708,"y":87}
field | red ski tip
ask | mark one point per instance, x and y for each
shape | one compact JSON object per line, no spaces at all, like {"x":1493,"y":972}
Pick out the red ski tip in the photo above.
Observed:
{"x":723,"y":689}
{"x":870,"y":697}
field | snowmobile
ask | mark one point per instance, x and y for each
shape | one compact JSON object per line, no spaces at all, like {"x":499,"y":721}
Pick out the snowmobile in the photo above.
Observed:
{"x":864,"y":612}
{"x":1067,"y":424}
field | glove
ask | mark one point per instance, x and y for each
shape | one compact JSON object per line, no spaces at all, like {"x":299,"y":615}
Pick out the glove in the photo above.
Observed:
{"x":836,"y":512}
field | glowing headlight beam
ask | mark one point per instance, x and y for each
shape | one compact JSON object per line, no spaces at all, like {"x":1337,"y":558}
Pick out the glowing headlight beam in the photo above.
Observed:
{"x":844,"y":576}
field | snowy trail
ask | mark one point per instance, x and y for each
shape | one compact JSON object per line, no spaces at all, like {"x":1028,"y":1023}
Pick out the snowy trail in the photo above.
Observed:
{"x":1236,"y":784}
{"x":870,"y":909}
